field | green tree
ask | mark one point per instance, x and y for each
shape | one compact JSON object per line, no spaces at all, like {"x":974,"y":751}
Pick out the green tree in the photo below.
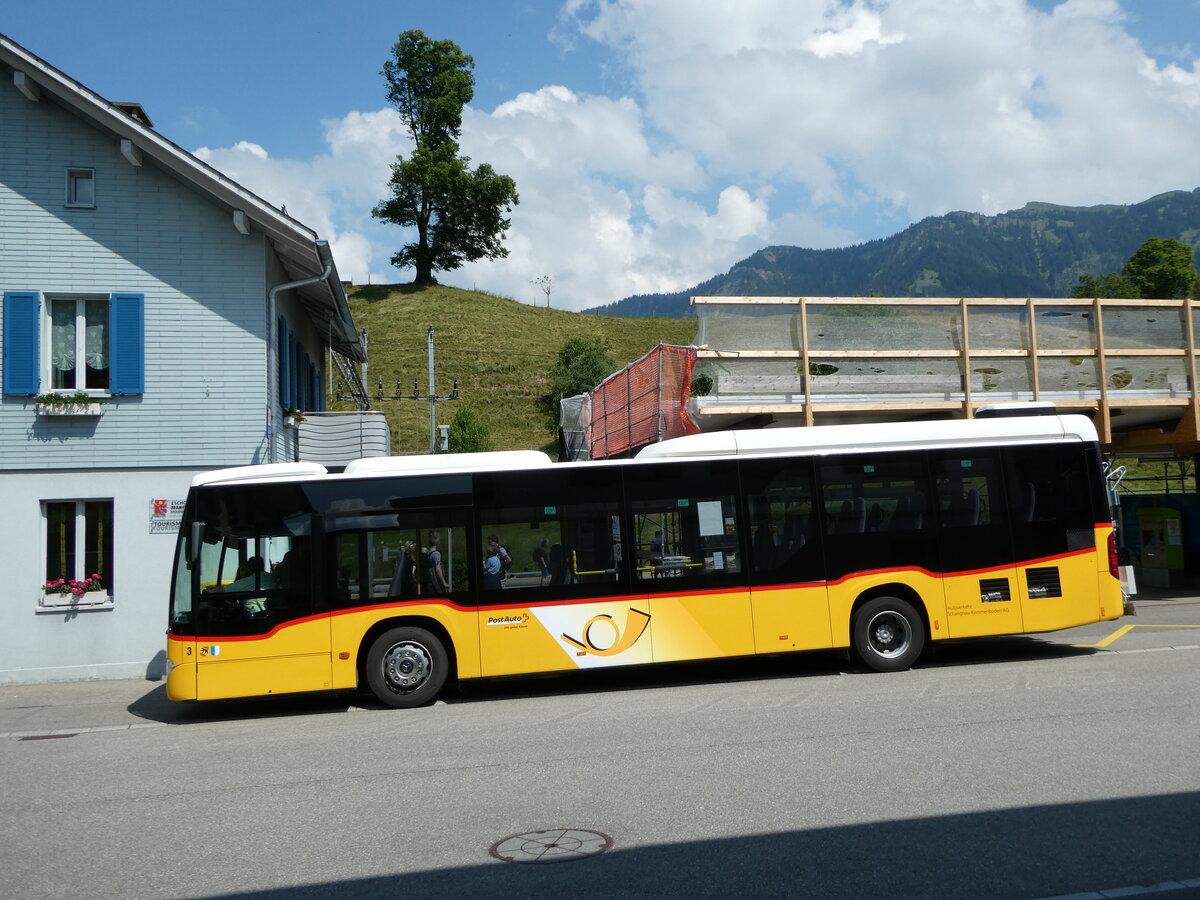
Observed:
{"x":467,"y":432}
{"x":1162,"y":269}
{"x":1114,"y":284}
{"x":459,"y":213}
{"x":581,"y":364}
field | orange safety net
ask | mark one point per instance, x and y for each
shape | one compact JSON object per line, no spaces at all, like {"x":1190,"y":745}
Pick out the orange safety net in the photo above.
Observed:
{"x":642,"y":404}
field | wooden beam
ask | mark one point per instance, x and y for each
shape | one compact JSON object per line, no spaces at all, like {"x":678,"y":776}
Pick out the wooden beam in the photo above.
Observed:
{"x":804,"y":361}
{"x":131,"y":153}
{"x":27,"y":86}
{"x":966,"y":366}
{"x":1102,"y":374}
{"x":1189,"y":320}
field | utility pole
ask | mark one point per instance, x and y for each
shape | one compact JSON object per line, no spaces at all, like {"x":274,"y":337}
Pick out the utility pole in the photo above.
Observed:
{"x":432,"y":394}
{"x":432,"y":397}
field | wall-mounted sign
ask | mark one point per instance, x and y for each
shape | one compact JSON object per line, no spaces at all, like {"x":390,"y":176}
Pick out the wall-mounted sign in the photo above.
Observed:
{"x":165,"y":516}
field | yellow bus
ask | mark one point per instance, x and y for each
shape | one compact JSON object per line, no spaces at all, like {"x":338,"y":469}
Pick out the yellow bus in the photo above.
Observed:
{"x":406,"y":574}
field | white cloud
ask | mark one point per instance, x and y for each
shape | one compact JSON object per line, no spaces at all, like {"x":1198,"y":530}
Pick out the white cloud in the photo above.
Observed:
{"x":984,"y":108}
{"x":862,"y":27}
{"x":774,"y":121}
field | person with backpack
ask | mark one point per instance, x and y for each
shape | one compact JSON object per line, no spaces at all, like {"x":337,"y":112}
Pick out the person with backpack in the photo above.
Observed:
{"x":541,"y":559}
{"x":432,"y":578}
{"x":498,"y":549}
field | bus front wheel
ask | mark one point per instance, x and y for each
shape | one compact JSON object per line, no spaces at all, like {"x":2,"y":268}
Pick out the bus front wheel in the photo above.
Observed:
{"x":407,"y":667}
{"x":888,"y":634}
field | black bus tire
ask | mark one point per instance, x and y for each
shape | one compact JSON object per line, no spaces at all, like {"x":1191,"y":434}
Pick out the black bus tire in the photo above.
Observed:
{"x":888,"y":634}
{"x":407,"y":667}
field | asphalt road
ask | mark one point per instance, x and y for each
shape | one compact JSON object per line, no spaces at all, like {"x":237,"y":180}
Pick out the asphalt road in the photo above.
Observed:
{"x":1017,"y":768}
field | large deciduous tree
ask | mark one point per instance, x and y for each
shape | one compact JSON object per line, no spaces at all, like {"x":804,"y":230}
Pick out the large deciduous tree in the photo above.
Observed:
{"x":459,"y":213}
{"x":1160,"y":269}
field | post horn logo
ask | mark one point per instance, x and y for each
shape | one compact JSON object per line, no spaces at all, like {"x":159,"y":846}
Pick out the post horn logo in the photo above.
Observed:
{"x":635,"y":624}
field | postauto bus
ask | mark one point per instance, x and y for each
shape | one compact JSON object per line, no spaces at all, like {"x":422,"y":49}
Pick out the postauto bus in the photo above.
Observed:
{"x":878,"y":538}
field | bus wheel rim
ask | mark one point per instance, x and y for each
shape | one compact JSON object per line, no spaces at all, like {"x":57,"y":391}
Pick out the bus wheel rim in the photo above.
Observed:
{"x":406,"y":666}
{"x":889,"y":634}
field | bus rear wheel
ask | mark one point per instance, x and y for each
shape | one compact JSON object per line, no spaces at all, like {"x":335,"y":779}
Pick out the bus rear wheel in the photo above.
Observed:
{"x":888,"y":634}
{"x":407,"y":667}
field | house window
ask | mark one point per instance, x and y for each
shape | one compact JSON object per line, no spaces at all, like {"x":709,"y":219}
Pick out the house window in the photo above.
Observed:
{"x":73,"y":343}
{"x":79,"y":551}
{"x":81,"y":187}
{"x":79,"y":343}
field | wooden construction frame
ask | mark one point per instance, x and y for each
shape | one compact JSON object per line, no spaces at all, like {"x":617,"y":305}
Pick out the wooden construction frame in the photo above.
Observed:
{"x":1184,"y":438}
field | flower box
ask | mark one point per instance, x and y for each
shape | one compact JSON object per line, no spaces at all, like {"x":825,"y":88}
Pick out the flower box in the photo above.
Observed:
{"x":75,"y":601}
{"x":70,"y":409}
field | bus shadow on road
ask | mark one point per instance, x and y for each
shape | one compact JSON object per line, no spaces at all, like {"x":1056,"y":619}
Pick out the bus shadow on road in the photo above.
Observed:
{"x":975,"y":651}
{"x":155,"y":706}
{"x":1009,"y":648}
{"x":1036,"y":851}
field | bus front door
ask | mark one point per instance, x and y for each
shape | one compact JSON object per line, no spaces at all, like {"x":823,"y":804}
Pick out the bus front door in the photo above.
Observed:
{"x":260,"y":630}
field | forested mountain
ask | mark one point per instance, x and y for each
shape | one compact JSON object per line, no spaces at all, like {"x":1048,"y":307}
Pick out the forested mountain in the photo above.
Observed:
{"x":1039,"y":250}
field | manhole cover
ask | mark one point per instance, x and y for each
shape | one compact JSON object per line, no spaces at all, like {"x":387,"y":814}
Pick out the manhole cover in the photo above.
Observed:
{"x":552,"y":846}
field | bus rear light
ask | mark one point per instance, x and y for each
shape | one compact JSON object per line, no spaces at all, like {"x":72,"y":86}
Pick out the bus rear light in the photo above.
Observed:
{"x":1113,"y":569}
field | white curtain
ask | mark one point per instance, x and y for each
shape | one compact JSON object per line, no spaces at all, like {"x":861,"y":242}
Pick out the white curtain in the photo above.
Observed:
{"x":96,"y":343}
{"x":64,"y":323}
{"x":62,"y":335}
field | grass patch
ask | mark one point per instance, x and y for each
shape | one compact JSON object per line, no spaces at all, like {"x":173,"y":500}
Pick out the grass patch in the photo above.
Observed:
{"x":499,"y":350}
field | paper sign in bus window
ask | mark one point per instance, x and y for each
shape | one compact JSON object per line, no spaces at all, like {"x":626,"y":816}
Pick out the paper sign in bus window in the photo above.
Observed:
{"x":711,"y":520}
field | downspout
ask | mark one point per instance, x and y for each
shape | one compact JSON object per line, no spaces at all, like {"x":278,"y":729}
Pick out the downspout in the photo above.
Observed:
{"x":272,"y":332}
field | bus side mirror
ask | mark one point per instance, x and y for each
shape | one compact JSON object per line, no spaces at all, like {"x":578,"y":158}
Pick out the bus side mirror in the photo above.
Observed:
{"x":196,"y":539}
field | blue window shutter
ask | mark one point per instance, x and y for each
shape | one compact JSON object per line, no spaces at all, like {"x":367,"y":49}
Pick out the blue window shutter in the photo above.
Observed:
{"x":293,"y":386}
{"x":21,"y":313}
{"x":318,"y":388}
{"x":301,"y":384}
{"x":127,"y":374}
{"x":281,"y":347}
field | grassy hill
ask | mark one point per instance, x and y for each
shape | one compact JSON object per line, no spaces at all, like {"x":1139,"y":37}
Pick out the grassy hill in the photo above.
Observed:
{"x":500,"y":351}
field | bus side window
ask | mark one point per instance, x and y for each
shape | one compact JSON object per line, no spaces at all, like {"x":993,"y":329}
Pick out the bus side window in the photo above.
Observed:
{"x":782,"y":519}
{"x":379,"y":556}
{"x":1051,"y":497}
{"x":685,"y":524}
{"x":878,"y":514}
{"x":346,"y":569}
{"x":968,"y":490}
{"x":574,"y":545}
{"x":559,"y":530}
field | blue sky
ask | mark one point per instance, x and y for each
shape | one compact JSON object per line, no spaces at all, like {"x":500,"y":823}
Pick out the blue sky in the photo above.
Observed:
{"x":656,"y":142}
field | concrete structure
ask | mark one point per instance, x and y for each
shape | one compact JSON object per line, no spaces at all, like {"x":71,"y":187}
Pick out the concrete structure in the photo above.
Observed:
{"x":186,"y":313}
